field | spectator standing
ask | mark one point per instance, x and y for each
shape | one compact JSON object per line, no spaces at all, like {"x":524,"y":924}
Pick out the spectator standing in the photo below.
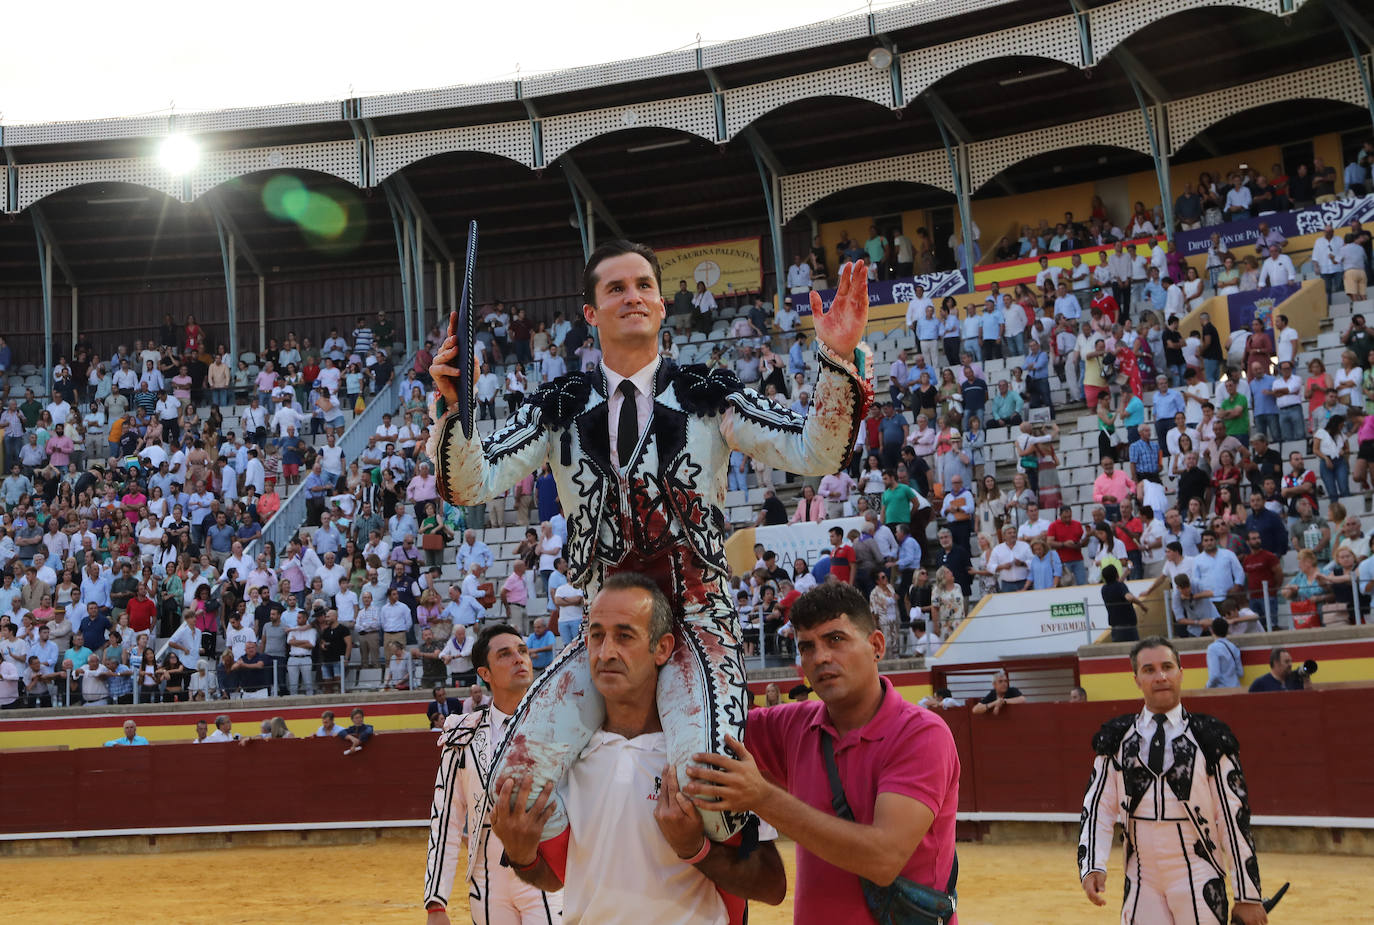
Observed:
{"x":542,"y":645}
{"x":1120,"y":603}
{"x":1224,"y":667}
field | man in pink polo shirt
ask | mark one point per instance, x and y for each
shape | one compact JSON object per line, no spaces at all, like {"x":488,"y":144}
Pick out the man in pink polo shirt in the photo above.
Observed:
{"x":1111,"y":487}
{"x":897,"y":764}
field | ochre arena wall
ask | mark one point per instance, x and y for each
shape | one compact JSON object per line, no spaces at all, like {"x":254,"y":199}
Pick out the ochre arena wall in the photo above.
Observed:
{"x":1306,"y":754}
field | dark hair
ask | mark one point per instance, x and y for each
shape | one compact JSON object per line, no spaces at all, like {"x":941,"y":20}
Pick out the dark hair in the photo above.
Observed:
{"x":1275,"y":654}
{"x":1220,"y":628}
{"x":484,"y":638}
{"x":1109,"y":574}
{"x":826,"y":602}
{"x":661,"y":618}
{"x":1152,"y":642}
{"x":615,"y":249}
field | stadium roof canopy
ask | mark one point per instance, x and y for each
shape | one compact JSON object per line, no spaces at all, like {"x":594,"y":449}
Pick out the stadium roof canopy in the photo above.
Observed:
{"x":664,"y":147}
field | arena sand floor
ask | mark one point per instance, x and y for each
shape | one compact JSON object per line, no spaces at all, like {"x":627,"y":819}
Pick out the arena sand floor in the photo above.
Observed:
{"x":380,"y":883}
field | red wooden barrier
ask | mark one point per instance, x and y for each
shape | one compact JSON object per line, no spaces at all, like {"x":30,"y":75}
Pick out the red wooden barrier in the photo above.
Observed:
{"x":266,"y":782}
{"x":1305,"y":754}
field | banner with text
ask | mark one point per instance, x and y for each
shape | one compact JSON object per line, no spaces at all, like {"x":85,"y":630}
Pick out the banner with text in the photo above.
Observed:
{"x":1337,"y":214}
{"x":1243,"y":307}
{"x":805,"y":541}
{"x":894,"y":291}
{"x":724,"y":266}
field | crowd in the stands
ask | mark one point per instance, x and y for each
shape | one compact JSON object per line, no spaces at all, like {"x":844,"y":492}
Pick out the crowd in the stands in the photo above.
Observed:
{"x":135,"y":489}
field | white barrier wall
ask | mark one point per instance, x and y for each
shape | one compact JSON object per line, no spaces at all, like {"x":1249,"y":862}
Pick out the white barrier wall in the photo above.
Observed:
{"x":1031,"y":623}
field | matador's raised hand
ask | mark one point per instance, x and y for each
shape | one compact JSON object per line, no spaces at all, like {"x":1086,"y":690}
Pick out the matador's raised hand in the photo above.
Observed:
{"x":842,"y":327}
{"x":443,"y":370}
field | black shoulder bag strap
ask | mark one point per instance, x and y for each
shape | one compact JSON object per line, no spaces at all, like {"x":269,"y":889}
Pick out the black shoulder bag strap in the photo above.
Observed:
{"x":840,"y":803}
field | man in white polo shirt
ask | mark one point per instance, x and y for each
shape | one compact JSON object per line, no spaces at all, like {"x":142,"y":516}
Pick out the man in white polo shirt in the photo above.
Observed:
{"x":634,"y":849}
{"x":1277,"y":269}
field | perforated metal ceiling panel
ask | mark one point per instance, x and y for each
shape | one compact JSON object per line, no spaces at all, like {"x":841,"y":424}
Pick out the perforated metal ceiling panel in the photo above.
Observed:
{"x":788,"y":40}
{"x":800,"y":190}
{"x":48,"y":133}
{"x":260,"y":117}
{"x":745,"y":104}
{"x":1339,"y":80}
{"x":391,"y":104}
{"x":913,"y":14}
{"x":693,"y":114}
{"x":1113,"y":24}
{"x":506,"y":139}
{"x":39,"y":180}
{"x":337,"y":158}
{"x":1054,"y":38}
{"x":1120,"y":130}
{"x":599,"y":75}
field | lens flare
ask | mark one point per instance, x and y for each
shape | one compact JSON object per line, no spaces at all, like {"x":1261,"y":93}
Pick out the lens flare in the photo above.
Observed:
{"x":330,"y":220}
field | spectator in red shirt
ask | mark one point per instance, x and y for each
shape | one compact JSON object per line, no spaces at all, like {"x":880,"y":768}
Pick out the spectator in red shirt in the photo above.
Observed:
{"x":1261,"y":565}
{"x":1106,"y":303}
{"x":1067,"y":537}
{"x":142,"y":611}
{"x":896,"y":763}
{"x":841,"y":557}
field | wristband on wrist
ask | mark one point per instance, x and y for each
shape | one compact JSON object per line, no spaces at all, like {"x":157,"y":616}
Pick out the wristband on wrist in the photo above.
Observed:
{"x":700,"y":856}
{"x":522,"y":868}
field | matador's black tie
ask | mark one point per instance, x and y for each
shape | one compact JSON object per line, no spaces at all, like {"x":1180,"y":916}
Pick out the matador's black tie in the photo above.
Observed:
{"x":628,"y":434}
{"x":1157,"y":744}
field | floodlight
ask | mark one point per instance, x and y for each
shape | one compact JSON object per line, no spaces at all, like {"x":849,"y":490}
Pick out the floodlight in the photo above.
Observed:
{"x":178,"y":154}
{"x":880,"y":58}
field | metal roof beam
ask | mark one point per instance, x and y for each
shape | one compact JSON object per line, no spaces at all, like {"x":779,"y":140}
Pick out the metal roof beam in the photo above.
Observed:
{"x":1347,"y":18}
{"x":762,"y":149}
{"x":407,"y":194}
{"x":590,"y":195}
{"x":1137,"y":72}
{"x":945,"y":117}
{"x":221,"y":215}
{"x":40,"y":223}
{"x":942,"y":113}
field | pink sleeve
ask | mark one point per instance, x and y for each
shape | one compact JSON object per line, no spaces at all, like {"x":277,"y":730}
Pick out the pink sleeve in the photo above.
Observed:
{"x":764,"y":735}
{"x":924,"y":766}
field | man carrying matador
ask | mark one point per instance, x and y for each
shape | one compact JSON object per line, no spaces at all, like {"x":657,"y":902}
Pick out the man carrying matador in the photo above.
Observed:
{"x":639,"y":449}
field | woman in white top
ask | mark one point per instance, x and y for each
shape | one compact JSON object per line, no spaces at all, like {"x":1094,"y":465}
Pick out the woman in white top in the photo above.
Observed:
{"x":1178,"y":461}
{"x":1348,"y":381}
{"x":666,"y":347}
{"x":157,"y":504}
{"x":550,"y":548}
{"x":516,"y":387}
{"x":1332,"y":450}
{"x":871,"y":482}
{"x":1141,"y":226}
{"x":1192,"y":290}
